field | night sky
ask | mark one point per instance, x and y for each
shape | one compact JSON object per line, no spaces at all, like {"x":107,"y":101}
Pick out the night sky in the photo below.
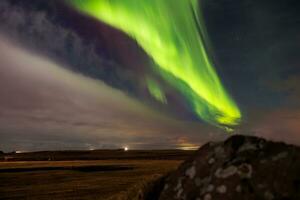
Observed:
{"x":68,"y":81}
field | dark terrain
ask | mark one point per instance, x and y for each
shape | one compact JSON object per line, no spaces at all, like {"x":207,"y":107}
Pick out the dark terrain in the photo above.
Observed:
{"x":242,"y":168}
{"x":99,"y":174}
{"x":96,"y":155}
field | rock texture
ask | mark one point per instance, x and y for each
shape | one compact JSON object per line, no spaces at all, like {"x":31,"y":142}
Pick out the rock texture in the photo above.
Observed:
{"x":240,"y":168}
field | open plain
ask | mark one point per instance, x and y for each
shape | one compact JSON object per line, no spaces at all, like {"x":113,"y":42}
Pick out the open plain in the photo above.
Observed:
{"x":31,"y":176}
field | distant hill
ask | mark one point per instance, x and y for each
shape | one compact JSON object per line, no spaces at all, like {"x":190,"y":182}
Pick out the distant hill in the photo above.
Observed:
{"x":97,"y":155}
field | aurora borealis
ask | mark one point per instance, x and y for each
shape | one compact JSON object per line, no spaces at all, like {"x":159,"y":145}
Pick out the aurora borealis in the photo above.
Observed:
{"x":147,"y":74}
{"x":174,"y":36}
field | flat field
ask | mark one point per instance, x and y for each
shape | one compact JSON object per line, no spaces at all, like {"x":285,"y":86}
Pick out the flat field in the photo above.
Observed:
{"x":80,"y":179}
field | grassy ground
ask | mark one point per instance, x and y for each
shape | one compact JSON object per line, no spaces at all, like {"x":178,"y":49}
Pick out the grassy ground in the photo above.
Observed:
{"x":57,"y":180}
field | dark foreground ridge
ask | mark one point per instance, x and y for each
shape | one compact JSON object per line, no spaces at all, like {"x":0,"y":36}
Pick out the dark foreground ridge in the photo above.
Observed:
{"x":240,"y":168}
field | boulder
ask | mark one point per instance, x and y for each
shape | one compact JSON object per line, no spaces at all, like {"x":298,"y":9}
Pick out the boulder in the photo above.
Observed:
{"x":242,"y":168}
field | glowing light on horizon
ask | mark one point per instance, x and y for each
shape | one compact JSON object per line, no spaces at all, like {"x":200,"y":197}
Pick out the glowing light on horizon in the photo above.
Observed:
{"x":188,"y":148}
{"x":173,"y":34}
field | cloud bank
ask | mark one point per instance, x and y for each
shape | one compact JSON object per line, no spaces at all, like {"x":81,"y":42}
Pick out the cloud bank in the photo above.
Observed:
{"x":46,"y":106}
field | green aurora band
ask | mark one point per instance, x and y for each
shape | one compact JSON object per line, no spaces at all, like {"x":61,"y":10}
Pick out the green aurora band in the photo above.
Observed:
{"x":173,"y":34}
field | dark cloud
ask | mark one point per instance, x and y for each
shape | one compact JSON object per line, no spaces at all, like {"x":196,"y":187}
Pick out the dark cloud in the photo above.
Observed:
{"x":37,"y":29}
{"x":281,"y":125}
{"x":47,"y":106}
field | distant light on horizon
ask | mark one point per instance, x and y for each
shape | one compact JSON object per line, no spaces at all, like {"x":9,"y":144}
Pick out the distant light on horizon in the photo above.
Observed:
{"x":183,"y":143}
{"x":188,"y":148}
{"x":126,"y":148}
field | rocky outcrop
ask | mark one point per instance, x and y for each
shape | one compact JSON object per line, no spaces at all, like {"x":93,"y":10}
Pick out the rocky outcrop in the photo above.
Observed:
{"x":240,"y":168}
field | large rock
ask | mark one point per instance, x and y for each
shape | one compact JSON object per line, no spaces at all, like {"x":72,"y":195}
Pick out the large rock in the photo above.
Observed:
{"x":239,"y":168}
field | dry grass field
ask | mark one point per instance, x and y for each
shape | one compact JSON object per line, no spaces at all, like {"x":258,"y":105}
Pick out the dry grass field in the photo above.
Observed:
{"x":82,"y":179}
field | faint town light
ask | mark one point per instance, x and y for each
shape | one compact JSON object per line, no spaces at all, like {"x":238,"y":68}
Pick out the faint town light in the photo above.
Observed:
{"x":126,"y":148}
{"x":189,"y":148}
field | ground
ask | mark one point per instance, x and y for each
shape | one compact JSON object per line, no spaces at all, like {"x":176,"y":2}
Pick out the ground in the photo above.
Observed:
{"x":85,"y":179}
